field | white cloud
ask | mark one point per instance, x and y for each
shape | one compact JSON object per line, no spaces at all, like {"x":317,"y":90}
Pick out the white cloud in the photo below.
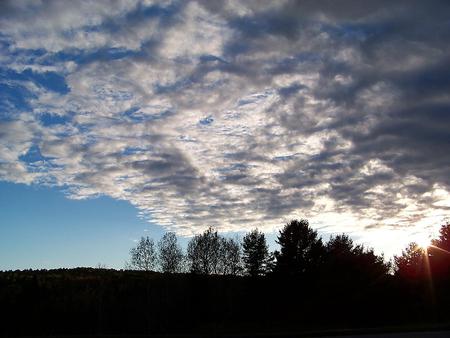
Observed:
{"x":235,"y":116}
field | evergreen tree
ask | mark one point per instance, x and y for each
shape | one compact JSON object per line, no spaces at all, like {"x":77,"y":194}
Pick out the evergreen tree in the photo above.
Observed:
{"x":411,"y":263}
{"x":301,"y":250}
{"x":255,"y":253}
{"x":439,"y":253}
{"x":443,"y":242}
{"x":345,"y":259}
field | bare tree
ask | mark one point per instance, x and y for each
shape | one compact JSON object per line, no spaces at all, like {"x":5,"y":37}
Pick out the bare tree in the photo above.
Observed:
{"x":143,"y":256}
{"x":170,"y":254}
{"x":101,"y":266}
{"x":210,"y":253}
{"x":203,"y":253}
{"x":231,"y":257}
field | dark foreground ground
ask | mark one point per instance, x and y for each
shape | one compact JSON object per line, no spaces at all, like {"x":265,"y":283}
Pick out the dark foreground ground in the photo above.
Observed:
{"x":440,"y":334}
{"x":423,"y":334}
{"x":108,"y":303}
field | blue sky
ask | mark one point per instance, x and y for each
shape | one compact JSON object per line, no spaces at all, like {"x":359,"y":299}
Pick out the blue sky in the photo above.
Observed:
{"x":41,"y":228}
{"x":179,"y":115}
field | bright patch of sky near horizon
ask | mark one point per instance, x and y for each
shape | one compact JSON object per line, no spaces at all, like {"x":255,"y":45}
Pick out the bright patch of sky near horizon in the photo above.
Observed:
{"x":232,"y":114}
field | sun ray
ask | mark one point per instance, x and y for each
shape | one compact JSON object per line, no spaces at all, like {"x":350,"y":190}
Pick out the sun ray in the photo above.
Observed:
{"x":438,"y":248}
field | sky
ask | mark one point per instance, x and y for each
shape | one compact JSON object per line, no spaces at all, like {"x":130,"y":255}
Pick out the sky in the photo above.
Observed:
{"x":121,"y":118}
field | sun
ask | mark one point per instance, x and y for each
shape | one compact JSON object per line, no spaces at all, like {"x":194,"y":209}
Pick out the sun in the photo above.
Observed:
{"x":423,"y":242}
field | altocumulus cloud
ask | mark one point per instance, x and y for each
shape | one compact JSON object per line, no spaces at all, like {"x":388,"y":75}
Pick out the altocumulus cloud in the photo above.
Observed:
{"x":234,"y":114}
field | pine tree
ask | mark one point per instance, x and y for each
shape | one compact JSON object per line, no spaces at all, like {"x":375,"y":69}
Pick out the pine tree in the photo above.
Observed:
{"x":255,"y":253}
{"x":301,"y":250}
{"x":411,"y":263}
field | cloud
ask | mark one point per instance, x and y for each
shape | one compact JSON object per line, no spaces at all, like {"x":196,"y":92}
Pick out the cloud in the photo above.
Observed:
{"x":234,"y":114}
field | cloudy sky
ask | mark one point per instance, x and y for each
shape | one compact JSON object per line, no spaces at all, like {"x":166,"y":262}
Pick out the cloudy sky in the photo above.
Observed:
{"x":236,"y":114}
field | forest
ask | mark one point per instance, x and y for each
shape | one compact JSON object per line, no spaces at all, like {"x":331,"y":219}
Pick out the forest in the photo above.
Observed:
{"x":227,"y":286}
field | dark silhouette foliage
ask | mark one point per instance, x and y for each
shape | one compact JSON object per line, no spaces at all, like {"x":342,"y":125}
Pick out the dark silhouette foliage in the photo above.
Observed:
{"x":212,"y":254}
{"x":231,"y":256}
{"x":342,"y":255}
{"x":371,"y":266}
{"x":328,"y":287}
{"x":411,"y":263}
{"x":203,"y":253}
{"x":255,"y":253}
{"x":301,"y":250}
{"x":143,"y":256}
{"x":170,"y":254}
{"x":344,"y":259}
{"x":443,"y":242}
{"x":439,"y":253}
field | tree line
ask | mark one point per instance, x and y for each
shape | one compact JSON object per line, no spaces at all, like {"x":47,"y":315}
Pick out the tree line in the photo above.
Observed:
{"x":207,"y":253}
{"x":301,"y":252}
{"x":431,"y":262}
{"x":229,"y":286}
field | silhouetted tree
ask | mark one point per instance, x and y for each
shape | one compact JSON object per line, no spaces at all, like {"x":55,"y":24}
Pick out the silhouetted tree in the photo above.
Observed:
{"x":170,"y":254}
{"x":255,"y":253}
{"x":439,"y":253}
{"x":230,"y":258}
{"x":343,"y":257}
{"x":443,"y":242}
{"x":341,"y":246}
{"x":143,"y":256}
{"x":101,"y":266}
{"x":210,"y":253}
{"x":411,"y":263}
{"x":370,"y":264}
{"x":203,"y":253}
{"x":301,"y":250}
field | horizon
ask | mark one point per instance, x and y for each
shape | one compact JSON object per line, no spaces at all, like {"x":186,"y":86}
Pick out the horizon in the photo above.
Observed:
{"x":127,"y":230}
{"x":126,"y":119}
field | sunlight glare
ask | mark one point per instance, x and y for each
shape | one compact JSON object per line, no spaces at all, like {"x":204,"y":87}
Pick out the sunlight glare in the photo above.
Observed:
{"x":423,"y":242}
